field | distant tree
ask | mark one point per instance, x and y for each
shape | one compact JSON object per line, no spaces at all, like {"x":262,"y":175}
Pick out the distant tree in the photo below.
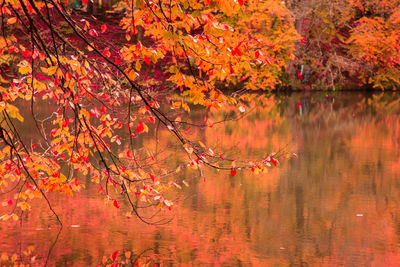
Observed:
{"x":347,"y":43}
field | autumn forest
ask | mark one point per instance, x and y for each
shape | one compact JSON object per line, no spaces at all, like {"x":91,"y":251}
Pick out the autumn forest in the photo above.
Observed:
{"x":199,"y":133}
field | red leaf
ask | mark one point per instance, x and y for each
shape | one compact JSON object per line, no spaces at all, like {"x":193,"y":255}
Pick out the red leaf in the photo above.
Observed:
{"x":300,"y":75}
{"x":103,"y":109}
{"x":29,"y":186}
{"x":233,"y":172}
{"x":257,"y":54}
{"x":116,"y":204}
{"x":115,"y":254}
{"x":240,"y":2}
{"x":66,"y":122}
{"x":10,"y":202}
{"x":273,"y":161}
{"x":140,"y":127}
{"x":93,"y":33}
{"x":84,"y":2}
{"x":236,"y":51}
{"x":26,"y":53}
{"x":33,"y":146}
{"x":150,"y":119}
{"x":146,"y":59}
{"x":100,"y":190}
{"x":104,"y":28}
{"x":53,"y":132}
{"x":96,"y":112}
{"x":152,"y":177}
{"x":107,"y":52}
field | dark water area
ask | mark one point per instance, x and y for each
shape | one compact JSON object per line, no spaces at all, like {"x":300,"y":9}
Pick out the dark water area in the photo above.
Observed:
{"x":337,"y":204}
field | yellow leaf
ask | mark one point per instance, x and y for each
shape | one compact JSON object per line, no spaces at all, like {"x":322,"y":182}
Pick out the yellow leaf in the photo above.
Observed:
{"x":52,"y":70}
{"x":14,"y":217}
{"x":24,"y":206}
{"x":24,"y":69}
{"x":59,"y":73}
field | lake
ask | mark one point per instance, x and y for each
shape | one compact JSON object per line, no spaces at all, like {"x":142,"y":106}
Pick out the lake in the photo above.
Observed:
{"x":336,"y":204}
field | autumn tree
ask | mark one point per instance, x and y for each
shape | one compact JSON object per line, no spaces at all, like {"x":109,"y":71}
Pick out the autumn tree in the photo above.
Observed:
{"x":103,"y":88}
{"x":347,"y":43}
{"x":374,"y":42}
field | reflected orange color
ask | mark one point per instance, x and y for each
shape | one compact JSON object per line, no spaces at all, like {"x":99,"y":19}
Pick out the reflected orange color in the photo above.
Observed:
{"x":337,"y":204}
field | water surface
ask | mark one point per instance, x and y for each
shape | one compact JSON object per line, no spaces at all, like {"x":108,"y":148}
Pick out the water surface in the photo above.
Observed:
{"x":337,"y":204}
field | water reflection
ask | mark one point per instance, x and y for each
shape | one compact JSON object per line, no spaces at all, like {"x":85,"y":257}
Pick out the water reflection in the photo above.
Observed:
{"x":338,"y":204}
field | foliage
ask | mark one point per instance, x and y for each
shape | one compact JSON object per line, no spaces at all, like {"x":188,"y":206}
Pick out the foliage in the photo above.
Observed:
{"x":375,"y":43}
{"x":89,"y":88}
{"x":348,"y":43}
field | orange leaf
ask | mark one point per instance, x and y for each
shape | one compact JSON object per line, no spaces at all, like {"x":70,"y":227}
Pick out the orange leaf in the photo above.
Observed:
{"x":127,"y":254}
{"x":12,"y":20}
